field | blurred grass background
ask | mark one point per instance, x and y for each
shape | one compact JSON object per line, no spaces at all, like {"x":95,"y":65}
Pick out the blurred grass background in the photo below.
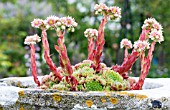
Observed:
{"x":16,"y":15}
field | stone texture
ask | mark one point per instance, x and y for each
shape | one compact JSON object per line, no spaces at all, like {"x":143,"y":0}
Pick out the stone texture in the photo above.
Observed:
{"x":21,"y":94}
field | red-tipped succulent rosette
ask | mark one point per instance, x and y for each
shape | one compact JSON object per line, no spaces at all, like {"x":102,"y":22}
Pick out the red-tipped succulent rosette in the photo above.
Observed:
{"x":32,"y":40}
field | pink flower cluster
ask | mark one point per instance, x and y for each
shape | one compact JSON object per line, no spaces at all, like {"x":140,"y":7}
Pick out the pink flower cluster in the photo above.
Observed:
{"x":91,"y":33}
{"x":155,"y":29}
{"x":126,"y":43}
{"x":140,"y":46}
{"x":32,"y":39}
{"x":56,"y":23}
{"x":112,"y":12}
{"x":151,"y":24}
{"x":156,"y":36}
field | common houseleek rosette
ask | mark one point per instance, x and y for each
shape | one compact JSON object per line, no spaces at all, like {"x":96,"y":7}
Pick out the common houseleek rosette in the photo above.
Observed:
{"x":92,"y":74}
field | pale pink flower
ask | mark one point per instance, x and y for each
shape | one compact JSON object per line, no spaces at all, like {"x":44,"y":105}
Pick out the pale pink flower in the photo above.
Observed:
{"x":50,"y":21}
{"x":74,"y":24}
{"x":91,"y":33}
{"x":32,"y":39}
{"x":114,"y":12}
{"x":157,"y":26}
{"x":101,"y":8}
{"x":37,"y":23}
{"x":141,"y":45}
{"x":69,"y":21}
{"x":156,"y":36}
{"x":126,"y":43}
{"x":63,"y":21}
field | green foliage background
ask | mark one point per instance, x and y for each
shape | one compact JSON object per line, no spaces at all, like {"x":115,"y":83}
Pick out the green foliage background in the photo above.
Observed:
{"x":16,"y":15}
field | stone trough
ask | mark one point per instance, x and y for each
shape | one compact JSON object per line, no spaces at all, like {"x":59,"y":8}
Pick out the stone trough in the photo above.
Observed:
{"x":18,"y":93}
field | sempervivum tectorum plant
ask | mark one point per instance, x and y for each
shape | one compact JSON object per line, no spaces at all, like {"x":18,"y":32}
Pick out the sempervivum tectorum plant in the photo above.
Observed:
{"x":92,"y":74}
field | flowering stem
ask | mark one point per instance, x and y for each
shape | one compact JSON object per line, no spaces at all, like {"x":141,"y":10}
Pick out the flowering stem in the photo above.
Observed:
{"x":130,"y":59}
{"x":33,"y":65}
{"x":144,"y":35}
{"x":65,"y":62}
{"x":99,"y":44}
{"x":145,"y":66}
{"x":127,"y":64}
{"x":90,"y":48}
{"x":126,"y":53}
{"x":49,"y":61}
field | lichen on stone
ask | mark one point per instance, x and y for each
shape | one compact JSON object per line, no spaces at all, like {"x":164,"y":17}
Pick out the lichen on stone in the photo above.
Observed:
{"x":89,"y":103}
{"x":141,"y":97}
{"x":21,"y":93}
{"x":57,"y":97}
{"x":114,"y":101}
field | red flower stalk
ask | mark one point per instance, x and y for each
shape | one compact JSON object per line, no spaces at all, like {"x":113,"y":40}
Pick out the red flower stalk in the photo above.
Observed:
{"x":31,"y":40}
{"x":33,"y":65}
{"x":108,"y":12}
{"x":126,"y":65}
{"x":91,"y":49}
{"x":65,"y":62}
{"x":144,"y":35}
{"x":49,"y":61}
{"x":130,"y":59}
{"x":99,"y":44}
{"x":145,"y":66}
{"x":91,"y":34}
{"x":126,"y":53}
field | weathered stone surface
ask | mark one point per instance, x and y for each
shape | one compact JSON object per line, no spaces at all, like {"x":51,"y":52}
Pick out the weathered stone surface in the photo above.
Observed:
{"x":21,"y":94}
